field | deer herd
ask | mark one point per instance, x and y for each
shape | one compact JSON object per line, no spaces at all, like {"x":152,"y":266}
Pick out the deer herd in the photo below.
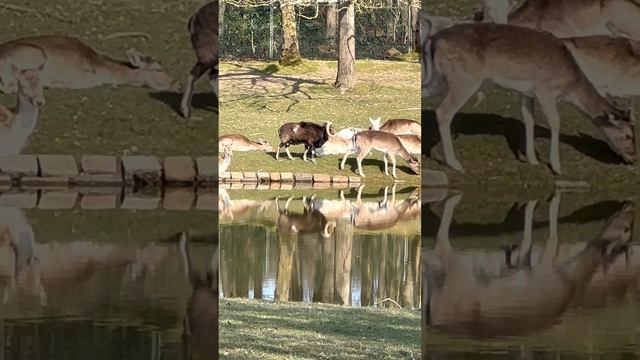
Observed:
{"x":582,"y":52}
{"x":396,"y":137}
{"x":29,"y":65}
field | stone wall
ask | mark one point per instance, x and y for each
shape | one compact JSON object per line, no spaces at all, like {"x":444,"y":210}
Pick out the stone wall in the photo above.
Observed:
{"x":100,"y":170}
{"x":286,"y":178}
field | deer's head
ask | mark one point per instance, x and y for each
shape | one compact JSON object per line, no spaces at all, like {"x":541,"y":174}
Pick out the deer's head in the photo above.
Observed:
{"x":374,"y":123}
{"x":619,"y":132}
{"x":151,"y":73}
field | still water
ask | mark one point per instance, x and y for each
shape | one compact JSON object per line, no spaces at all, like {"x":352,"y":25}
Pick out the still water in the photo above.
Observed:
{"x":545,"y":277}
{"x":107,"y":284}
{"x":357,"y":247}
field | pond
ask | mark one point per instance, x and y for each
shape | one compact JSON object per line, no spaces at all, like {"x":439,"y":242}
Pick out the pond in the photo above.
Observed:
{"x":530,"y":276}
{"x":115,"y":284}
{"x":353,"y":248}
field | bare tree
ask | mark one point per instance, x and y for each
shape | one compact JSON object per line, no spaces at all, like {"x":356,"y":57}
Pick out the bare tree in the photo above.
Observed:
{"x":346,"y":77}
{"x":331,"y":23}
{"x":290,"y":49}
{"x":221,"y":8}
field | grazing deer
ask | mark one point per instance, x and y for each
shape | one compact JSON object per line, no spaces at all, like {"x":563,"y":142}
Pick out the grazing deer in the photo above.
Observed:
{"x":569,"y":18}
{"x":225,"y":160}
{"x":17,"y":125}
{"x":528,"y":299}
{"x":612,"y":64}
{"x":203,"y":28}
{"x":413,"y":143}
{"x":535,"y":64}
{"x":396,"y":126}
{"x":200,"y":334}
{"x":237,"y":142}
{"x":386,"y":143}
{"x":72,"y":64}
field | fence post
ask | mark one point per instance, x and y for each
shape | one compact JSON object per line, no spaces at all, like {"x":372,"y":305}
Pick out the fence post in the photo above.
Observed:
{"x":410,"y":27}
{"x":271,"y":31}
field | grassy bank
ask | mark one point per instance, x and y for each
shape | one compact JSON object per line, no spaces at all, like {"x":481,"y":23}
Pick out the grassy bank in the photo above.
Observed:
{"x":257,"y":98}
{"x":260,"y":330}
{"x":125,"y":120}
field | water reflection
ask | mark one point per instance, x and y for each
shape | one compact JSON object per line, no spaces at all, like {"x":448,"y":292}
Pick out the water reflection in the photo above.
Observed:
{"x":530,"y":285}
{"x":359,"y":248}
{"x":70,"y":295}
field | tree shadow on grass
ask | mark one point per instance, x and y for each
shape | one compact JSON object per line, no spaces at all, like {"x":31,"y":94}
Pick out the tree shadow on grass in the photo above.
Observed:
{"x":201,"y":101}
{"x":513,"y":132}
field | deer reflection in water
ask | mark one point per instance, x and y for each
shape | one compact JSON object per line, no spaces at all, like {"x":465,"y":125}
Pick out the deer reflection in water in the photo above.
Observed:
{"x":200,"y":335}
{"x":240,"y":209}
{"x":526,"y":298}
{"x":31,"y":269}
{"x":386,"y":213}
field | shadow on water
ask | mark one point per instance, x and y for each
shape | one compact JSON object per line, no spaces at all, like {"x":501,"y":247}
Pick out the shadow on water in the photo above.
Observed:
{"x":328,"y":247}
{"x":64,"y":295}
{"x":524,"y":285}
{"x":513,"y":132}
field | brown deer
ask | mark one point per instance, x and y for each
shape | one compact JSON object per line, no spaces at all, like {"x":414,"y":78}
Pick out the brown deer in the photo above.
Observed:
{"x":570,"y":18}
{"x":203,"y":28}
{"x":237,"y":142}
{"x":72,"y":64}
{"x":380,"y":215}
{"x":385,"y":142}
{"x":17,"y":124}
{"x":396,"y":126}
{"x":225,"y":160}
{"x":535,"y":64}
{"x":524,"y":300}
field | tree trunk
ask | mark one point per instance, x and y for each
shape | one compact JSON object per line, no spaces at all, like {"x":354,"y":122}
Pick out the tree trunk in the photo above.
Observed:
{"x":415,"y":24}
{"x":290,"y":49}
{"x":222,"y":5}
{"x":331,"y":23}
{"x":346,"y":77}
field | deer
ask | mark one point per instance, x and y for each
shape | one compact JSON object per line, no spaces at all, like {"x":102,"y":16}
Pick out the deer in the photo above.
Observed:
{"x":203,"y":28}
{"x":536,"y":65}
{"x":396,"y":126}
{"x":524,"y":300}
{"x":73,"y":64}
{"x":380,"y":215}
{"x":385,"y":142}
{"x":225,"y":160}
{"x":332,"y":209}
{"x":239,"y":208}
{"x":237,"y":142}
{"x":311,"y":135}
{"x":200,"y":322}
{"x":572,"y":18}
{"x":17,"y":124}
{"x":496,"y":11}
{"x":310,"y":221}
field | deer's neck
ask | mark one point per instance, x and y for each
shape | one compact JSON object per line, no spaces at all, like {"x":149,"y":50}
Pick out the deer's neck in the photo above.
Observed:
{"x":120,"y":72}
{"x":403,"y":153}
{"x":589,"y":101}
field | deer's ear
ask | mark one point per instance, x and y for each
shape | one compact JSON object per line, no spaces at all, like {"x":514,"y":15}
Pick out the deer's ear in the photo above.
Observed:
{"x":135,"y":58}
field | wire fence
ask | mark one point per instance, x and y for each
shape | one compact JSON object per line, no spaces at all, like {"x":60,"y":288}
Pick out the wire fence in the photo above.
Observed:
{"x":256,"y":32}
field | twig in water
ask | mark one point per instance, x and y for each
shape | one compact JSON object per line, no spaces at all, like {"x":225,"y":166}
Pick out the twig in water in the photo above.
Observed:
{"x":117,"y":35}
{"x":388,"y":299}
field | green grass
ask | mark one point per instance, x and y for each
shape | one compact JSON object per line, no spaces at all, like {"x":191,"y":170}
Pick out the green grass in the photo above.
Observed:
{"x":258,"y":97}
{"x":277,"y":331}
{"x":124,"y":120}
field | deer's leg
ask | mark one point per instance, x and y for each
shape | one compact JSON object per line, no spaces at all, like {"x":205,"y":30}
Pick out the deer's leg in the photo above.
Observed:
{"x":527,"y":108}
{"x":286,"y":148}
{"x":550,"y":111}
{"x":443,"y":246}
{"x":313,"y":153}
{"x":551,"y":247}
{"x":196,"y":72}
{"x":456,"y":97}
{"x":213,"y":79}
{"x":344,"y":160}
{"x":359,"y":159}
{"x":524,"y":256}
{"x":278,"y":152}
{"x":386,"y":164}
{"x":393,"y":164}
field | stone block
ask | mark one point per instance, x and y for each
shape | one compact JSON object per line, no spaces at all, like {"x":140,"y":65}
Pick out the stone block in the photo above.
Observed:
{"x":207,"y":168}
{"x":142,"y":168}
{"x":22,"y":200}
{"x":303,"y":178}
{"x":18,"y":166}
{"x":249,"y":176}
{"x":97,"y":180}
{"x":354,"y":179}
{"x":286,"y":177}
{"x":263,"y":176}
{"x":321,"y":178}
{"x":178,"y":199}
{"x":140,"y":202}
{"x":207,"y":201}
{"x":99,"y":165}
{"x":58,"y":200}
{"x":57,"y":165}
{"x":340,"y":179}
{"x":179,"y":169}
{"x":275,"y":176}
{"x":434,"y":178}
{"x":98,"y":201}
{"x":44,"y":182}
